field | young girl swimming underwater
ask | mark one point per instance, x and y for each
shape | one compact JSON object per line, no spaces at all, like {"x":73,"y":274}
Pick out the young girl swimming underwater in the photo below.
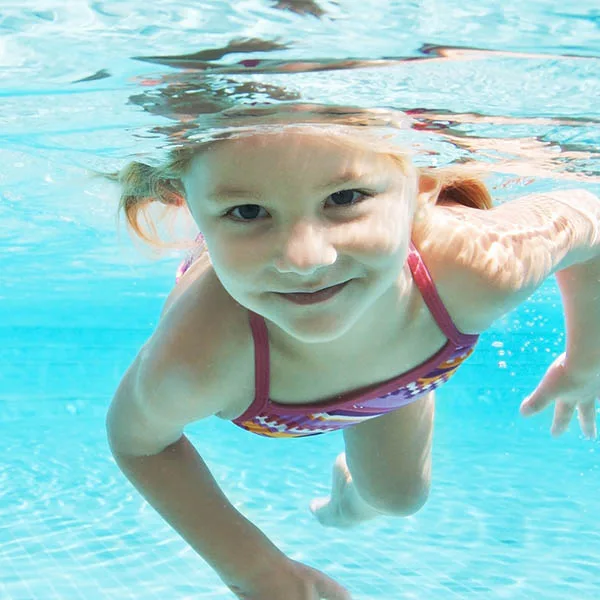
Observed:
{"x":320,"y":249}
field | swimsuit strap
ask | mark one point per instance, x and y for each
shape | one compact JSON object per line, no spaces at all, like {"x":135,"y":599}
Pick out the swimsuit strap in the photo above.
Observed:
{"x":423,"y":280}
{"x":262,"y":364}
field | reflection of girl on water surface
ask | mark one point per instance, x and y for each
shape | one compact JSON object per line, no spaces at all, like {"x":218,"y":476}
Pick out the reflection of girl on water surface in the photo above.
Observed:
{"x":335,"y":286}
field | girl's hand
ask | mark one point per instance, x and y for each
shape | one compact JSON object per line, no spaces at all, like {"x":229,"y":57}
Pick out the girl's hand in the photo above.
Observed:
{"x":290,"y":580}
{"x":571,"y":390}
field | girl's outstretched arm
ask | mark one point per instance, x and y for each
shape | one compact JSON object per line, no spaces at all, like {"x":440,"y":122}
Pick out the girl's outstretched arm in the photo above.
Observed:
{"x":145,"y":434}
{"x":145,"y":431}
{"x":573,"y":380}
{"x":491,"y":261}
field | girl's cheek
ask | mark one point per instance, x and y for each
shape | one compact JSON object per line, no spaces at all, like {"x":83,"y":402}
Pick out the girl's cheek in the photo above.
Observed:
{"x":237,"y":257}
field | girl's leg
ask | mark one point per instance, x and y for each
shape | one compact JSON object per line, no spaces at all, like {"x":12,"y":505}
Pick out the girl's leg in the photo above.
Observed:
{"x":386,"y":469}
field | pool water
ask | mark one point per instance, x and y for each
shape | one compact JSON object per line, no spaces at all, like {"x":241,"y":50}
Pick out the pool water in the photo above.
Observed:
{"x":513,"y":513}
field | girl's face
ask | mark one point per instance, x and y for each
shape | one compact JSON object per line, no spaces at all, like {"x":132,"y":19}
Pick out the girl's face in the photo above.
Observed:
{"x":294,"y":210}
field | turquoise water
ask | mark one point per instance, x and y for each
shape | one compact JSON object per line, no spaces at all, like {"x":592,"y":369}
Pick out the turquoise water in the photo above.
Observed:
{"x":513,"y":513}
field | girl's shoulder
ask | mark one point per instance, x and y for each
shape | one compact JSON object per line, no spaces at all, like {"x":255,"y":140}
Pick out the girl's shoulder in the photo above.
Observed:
{"x":471,"y":256}
{"x":202,"y":344}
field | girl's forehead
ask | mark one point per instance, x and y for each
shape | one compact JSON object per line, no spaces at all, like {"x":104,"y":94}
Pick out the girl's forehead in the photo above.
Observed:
{"x":249,"y":172}
{"x":298,"y":143}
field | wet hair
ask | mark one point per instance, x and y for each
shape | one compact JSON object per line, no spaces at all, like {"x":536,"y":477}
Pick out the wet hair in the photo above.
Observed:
{"x":460,"y":186}
{"x":142,"y":185}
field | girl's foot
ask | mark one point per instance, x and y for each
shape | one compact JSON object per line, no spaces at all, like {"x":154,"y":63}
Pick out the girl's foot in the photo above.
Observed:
{"x":329,"y":511}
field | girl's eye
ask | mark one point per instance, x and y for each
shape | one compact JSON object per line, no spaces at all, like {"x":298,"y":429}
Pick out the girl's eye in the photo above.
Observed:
{"x":348,"y":197}
{"x":246,"y":212}
{"x":251,"y":212}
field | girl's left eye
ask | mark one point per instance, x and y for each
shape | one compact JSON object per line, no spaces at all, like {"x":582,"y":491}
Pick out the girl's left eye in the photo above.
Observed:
{"x":348,"y":197}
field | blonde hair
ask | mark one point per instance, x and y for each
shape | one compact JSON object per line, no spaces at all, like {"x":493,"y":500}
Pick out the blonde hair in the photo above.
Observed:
{"x":461,"y":186}
{"x":143,"y":185}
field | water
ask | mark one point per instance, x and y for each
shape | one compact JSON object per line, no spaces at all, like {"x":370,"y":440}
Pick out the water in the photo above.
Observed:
{"x":513,"y":513}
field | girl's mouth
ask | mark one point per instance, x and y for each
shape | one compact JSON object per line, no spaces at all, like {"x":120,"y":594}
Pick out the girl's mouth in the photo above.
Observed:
{"x":314,"y":297}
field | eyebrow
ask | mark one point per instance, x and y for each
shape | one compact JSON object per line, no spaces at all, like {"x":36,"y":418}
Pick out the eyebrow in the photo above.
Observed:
{"x":232,"y":192}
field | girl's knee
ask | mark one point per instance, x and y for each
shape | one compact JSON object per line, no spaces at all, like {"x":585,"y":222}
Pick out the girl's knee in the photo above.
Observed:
{"x":403,"y":501}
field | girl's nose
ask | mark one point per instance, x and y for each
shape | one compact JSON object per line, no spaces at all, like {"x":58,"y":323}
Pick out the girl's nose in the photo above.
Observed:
{"x":305,"y":248}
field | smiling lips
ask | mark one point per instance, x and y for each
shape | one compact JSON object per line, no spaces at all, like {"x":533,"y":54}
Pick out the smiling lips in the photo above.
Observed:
{"x":314,"y":297}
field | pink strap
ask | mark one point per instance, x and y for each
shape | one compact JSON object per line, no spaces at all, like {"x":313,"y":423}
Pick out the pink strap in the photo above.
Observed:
{"x":424,"y":282}
{"x":262,"y":367}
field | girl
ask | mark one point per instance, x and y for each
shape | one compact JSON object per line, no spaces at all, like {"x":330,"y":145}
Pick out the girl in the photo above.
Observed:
{"x":321,"y":247}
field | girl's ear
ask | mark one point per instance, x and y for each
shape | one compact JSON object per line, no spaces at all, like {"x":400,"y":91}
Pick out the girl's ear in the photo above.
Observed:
{"x":428,"y":190}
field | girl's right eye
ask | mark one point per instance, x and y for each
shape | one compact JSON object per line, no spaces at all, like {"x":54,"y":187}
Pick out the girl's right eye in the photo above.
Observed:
{"x":247,"y":212}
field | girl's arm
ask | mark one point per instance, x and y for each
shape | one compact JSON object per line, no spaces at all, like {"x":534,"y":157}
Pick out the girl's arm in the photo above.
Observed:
{"x":487,"y":262}
{"x":573,"y":379}
{"x":497,"y":258}
{"x":148,"y":445}
{"x":145,"y":431}
{"x":580,"y":289}
{"x":556,"y":233}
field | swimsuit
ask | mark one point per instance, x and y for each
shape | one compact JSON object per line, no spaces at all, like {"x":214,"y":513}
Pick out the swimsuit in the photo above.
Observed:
{"x":271,"y":419}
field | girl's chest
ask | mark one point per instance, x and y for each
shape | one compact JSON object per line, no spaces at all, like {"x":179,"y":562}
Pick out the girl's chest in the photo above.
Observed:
{"x":300,"y":382}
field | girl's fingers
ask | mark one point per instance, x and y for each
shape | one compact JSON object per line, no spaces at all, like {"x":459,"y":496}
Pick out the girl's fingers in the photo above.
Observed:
{"x":548,"y":390}
{"x":557,"y":384}
{"x":587,"y":418}
{"x":563,"y":413}
{"x":536,"y":402}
